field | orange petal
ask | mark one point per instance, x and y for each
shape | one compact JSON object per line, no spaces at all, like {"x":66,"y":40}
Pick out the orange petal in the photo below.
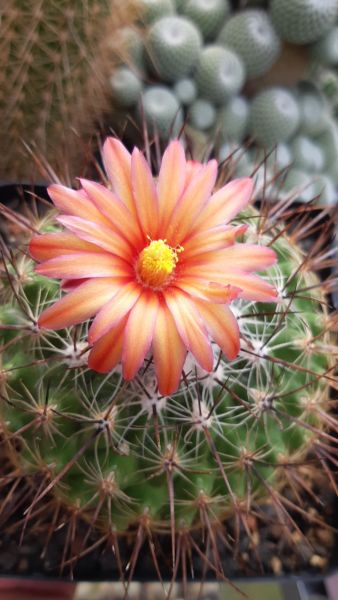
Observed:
{"x":120,"y":218}
{"x":50,"y":245}
{"x":80,"y":304}
{"x":76,"y":203}
{"x":139,"y":332}
{"x":107,"y":351}
{"x":209,"y":240}
{"x":249,"y":257}
{"x":213,"y":292}
{"x":83,"y":265}
{"x":117,"y":162}
{"x":98,"y":234}
{"x":252,"y":286}
{"x":171,"y":181}
{"x":169,"y":352}
{"x":190,"y":327}
{"x":223,"y":327}
{"x":192,"y":168}
{"x":112,"y":313}
{"x":190,"y":205}
{"x":145,"y":195}
{"x":226,"y":203}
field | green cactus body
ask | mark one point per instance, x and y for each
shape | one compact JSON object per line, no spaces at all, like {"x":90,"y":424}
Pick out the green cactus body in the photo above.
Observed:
{"x":207,"y":14}
{"x":233,"y":119}
{"x":325,"y":50}
{"x":307,"y":155}
{"x":202,"y":114}
{"x":161,"y":111}
{"x":124,"y":456}
{"x":303,"y":21}
{"x":55,"y":61}
{"x":151,"y":10}
{"x":173,"y":45}
{"x":126,"y":87}
{"x":274,"y":116}
{"x":313,"y":109}
{"x":220,"y":74}
{"x":251,"y":34}
{"x":185,"y":91}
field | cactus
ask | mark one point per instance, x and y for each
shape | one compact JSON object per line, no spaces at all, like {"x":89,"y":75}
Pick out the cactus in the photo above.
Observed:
{"x":220,"y":74}
{"x":207,"y":14}
{"x":303,"y":21}
{"x":125,"y":459}
{"x":173,"y":45}
{"x":274,"y":116}
{"x":325,"y":50}
{"x":55,"y":61}
{"x":251,"y":34}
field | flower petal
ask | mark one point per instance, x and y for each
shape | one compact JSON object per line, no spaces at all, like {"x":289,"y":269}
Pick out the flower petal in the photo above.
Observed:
{"x":223,"y":327}
{"x":191,"y":203}
{"x":117,"y":162}
{"x":192,"y":168}
{"x":139,"y":332}
{"x":145,"y":195}
{"x":213,"y":292}
{"x":169,"y":352}
{"x":171,"y":181}
{"x":75,"y":202}
{"x":50,"y":245}
{"x":119,"y":217}
{"x":98,"y":234}
{"x":83,"y":265}
{"x":112,"y":313}
{"x":107,"y":351}
{"x":249,"y":257}
{"x":80,"y":304}
{"x":209,"y":240}
{"x":226,"y":203}
{"x":190,"y":327}
{"x":252,"y":286}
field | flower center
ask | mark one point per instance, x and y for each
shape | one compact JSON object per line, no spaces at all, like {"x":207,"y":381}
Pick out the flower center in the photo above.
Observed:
{"x":156,"y":263}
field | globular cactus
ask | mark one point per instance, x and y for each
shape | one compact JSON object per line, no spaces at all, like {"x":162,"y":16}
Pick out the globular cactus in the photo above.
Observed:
{"x":128,"y":460}
{"x":303,"y":21}
{"x":55,"y":62}
{"x":252,"y":35}
{"x":274,"y":116}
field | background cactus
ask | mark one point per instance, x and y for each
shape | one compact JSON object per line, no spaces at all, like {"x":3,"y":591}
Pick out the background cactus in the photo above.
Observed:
{"x":55,"y":62}
{"x":245,"y":52}
{"x":126,"y":461}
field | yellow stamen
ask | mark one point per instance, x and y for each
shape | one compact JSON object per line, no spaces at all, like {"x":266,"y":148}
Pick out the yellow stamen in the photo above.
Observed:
{"x":156,"y":263}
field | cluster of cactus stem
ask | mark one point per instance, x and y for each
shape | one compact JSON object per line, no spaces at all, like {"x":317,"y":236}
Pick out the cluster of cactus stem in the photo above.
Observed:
{"x":55,"y":60}
{"x":134,"y":465}
{"x":217,"y":70}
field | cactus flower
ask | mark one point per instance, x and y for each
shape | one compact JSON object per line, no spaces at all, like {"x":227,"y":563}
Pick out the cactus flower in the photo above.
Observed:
{"x":154,"y":264}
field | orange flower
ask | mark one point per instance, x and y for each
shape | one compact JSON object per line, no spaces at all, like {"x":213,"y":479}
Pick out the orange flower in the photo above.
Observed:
{"x":155,"y":264}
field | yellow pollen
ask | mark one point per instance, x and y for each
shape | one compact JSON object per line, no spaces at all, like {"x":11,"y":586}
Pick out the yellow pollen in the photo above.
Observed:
{"x":157,"y":262}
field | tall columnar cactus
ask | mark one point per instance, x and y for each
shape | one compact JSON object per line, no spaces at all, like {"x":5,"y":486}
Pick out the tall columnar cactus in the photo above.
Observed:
{"x":121,"y":455}
{"x":55,"y":61}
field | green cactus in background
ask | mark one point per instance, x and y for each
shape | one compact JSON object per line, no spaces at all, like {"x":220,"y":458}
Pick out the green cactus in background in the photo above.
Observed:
{"x":55,"y":62}
{"x":303,"y":21}
{"x":251,"y":34}
{"x":274,"y":116}
{"x":129,"y":462}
